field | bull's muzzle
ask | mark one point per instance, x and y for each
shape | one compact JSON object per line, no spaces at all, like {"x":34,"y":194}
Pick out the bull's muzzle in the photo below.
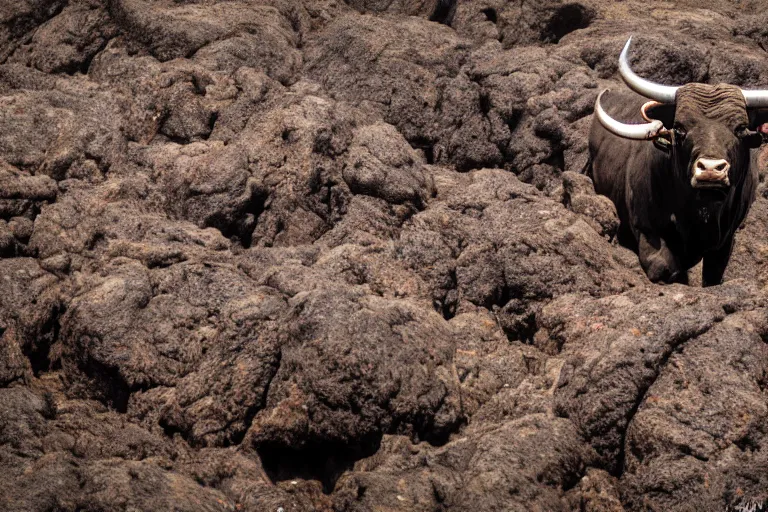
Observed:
{"x":710,"y":172}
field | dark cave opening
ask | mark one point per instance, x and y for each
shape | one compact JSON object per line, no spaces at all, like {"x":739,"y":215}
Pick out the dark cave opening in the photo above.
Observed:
{"x":324,"y":462}
{"x":565,"y":20}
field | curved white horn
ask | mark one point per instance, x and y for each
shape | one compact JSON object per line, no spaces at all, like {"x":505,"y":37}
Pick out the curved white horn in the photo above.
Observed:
{"x":756,"y":98}
{"x":660,"y":93}
{"x":644,"y":131}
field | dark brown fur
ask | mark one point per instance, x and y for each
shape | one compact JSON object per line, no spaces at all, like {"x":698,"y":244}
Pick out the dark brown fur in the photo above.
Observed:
{"x":671,"y":225}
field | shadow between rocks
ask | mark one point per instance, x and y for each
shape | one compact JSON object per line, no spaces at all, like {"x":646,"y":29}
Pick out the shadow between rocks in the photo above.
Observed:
{"x":324,"y":462}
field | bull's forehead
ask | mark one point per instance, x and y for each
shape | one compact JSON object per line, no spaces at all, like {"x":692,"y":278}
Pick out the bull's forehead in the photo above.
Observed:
{"x":722,"y":103}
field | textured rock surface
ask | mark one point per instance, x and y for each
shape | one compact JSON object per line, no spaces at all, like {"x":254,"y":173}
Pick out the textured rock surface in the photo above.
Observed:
{"x":322,"y":255}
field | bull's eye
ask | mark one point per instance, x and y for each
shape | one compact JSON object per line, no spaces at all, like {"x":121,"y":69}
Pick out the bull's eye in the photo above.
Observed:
{"x":680,"y":133}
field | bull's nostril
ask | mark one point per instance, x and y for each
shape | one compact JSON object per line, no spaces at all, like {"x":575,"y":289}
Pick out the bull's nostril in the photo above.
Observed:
{"x":721,"y":167}
{"x":700,"y":165}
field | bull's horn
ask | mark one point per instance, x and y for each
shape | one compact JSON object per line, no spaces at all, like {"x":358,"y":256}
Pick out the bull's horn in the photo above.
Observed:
{"x":644,"y":131}
{"x":658,"y":92}
{"x":756,"y":98}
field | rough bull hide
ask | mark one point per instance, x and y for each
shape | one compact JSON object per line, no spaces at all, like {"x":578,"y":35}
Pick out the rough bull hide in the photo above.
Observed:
{"x":681,"y":198}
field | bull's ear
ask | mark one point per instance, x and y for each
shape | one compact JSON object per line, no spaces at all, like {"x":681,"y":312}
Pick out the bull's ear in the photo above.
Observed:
{"x":753,"y":139}
{"x":758,"y":120}
{"x":662,"y":112}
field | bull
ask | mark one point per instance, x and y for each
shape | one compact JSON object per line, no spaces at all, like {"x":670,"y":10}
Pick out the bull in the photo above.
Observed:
{"x":679,"y":169}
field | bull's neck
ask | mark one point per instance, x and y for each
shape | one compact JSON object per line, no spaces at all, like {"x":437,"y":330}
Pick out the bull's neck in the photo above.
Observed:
{"x":699,"y":217}
{"x":706,"y":216}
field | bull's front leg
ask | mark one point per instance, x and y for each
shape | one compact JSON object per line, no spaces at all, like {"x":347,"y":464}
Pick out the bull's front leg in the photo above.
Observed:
{"x":658,"y":262}
{"x":715,"y":263}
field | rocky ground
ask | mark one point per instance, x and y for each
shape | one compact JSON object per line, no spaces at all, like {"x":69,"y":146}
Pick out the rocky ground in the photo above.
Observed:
{"x":296,"y":255}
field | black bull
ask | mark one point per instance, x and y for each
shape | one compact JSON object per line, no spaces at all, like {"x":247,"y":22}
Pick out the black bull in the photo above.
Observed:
{"x":681,"y":197}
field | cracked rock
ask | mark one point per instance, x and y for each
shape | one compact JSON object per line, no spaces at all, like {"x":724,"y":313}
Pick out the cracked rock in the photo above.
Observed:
{"x":340,"y":255}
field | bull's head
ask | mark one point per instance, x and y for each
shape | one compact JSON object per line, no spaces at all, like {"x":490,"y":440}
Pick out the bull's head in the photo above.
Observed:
{"x":706,"y":128}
